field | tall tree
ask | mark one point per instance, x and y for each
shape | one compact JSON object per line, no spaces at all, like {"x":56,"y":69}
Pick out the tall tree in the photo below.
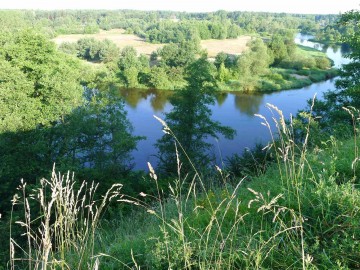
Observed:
{"x":348,"y":86}
{"x":35,"y":75}
{"x":97,"y":135}
{"x":252,"y":64}
{"x":129,"y":66}
{"x":190,"y":121}
{"x":45,"y":118}
{"x":39,"y":86}
{"x":350,"y":73}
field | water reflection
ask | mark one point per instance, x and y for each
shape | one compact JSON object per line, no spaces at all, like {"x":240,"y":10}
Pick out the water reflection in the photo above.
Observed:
{"x":221,"y":98}
{"x":248,"y":104}
{"x":132,"y":97}
{"x":332,"y":51}
{"x":158,"y":99}
{"x":231,"y":109}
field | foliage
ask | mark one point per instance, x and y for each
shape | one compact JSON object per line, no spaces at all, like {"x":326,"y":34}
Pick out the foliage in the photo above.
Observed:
{"x":330,"y":110}
{"x":334,"y":31}
{"x":177,"y":32}
{"x":129,"y":66}
{"x":38,"y":87}
{"x":159,"y":78}
{"x":46,"y":118}
{"x":179,"y":55}
{"x":252,"y":64}
{"x":92,"y":50}
{"x":190,"y":122}
{"x":170,"y":26}
{"x":223,"y":58}
{"x":46,"y":81}
{"x":282,"y":46}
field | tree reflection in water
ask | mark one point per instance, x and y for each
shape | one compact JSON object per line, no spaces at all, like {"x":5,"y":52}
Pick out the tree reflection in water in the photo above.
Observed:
{"x":248,"y":103}
{"x":191,"y":124}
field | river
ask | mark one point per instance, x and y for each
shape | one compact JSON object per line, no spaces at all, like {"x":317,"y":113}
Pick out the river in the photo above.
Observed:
{"x":232,"y":109}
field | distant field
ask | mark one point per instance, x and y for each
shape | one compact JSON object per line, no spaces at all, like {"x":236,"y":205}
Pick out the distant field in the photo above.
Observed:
{"x":231,"y":46}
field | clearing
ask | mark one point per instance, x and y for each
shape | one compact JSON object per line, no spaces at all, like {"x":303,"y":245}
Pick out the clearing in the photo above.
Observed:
{"x":118,"y":36}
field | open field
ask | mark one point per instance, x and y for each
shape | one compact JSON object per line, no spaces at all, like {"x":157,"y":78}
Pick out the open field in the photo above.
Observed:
{"x":231,"y":46}
{"x":117,"y":36}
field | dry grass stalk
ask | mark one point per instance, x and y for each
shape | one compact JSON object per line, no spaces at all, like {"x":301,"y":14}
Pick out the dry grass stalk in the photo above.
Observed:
{"x":69,"y":218}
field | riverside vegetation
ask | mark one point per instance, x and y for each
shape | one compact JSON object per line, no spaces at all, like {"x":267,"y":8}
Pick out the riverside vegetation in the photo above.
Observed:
{"x":180,"y":34}
{"x":292,"y":204}
{"x":264,"y":66}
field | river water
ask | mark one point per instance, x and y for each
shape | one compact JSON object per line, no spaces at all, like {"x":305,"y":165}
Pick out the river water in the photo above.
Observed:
{"x":231,"y":109}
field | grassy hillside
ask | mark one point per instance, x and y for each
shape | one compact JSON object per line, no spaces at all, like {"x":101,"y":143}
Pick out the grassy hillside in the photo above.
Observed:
{"x":302,"y":212}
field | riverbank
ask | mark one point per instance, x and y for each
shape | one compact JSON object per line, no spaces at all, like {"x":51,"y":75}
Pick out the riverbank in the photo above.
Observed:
{"x":275,"y":220}
{"x":307,"y":66}
{"x":284,"y":79}
{"x":325,"y":42}
{"x":281,"y":216}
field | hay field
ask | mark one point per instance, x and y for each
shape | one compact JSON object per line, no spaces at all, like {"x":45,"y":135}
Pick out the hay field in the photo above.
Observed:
{"x":118,"y":36}
{"x":230,"y":46}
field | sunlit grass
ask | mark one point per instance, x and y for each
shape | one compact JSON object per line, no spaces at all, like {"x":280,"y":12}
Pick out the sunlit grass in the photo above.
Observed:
{"x":303,"y":212}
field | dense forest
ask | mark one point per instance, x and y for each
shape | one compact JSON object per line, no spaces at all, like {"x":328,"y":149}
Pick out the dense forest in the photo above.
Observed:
{"x":291,"y":204}
{"x":163,"y":26}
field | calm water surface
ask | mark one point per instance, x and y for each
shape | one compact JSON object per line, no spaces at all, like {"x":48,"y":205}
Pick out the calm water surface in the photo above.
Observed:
{"x":232,"y":109}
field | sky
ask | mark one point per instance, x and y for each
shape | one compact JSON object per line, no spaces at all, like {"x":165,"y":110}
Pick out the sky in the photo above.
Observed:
{"x":288,"y":6}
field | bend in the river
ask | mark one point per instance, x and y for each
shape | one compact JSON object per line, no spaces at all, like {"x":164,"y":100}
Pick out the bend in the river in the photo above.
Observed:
{"x":232,"y":109}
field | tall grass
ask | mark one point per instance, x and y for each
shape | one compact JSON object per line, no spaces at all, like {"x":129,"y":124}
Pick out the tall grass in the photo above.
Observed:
{"x":286,"y":223}
{"x":215,"y":231}
{"x":295,"y":215}
{"x":63,"y":233}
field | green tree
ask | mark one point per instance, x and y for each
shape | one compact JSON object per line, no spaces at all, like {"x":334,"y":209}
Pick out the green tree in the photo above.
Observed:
{"x":329,"y":112}
{"x":181,"y":54}
{"x":278,"y":48}
{"x":48,"y":80}
{"x":252,"y":64}
{"x":129,"y":66}
{"x":93,"y":50}
{"x":18,"y":110}
{"x":108,"y":51}
{"x":97,"y":137}
{"x":159,"y":78}
{"x":39,"y":87}
{"x":223,"y":73}
{"x":350,"y":76}
{"x":69,"y":48}
{"x":190,"y":121}
{"x":220,"y":58}
{"x":88,"y":48}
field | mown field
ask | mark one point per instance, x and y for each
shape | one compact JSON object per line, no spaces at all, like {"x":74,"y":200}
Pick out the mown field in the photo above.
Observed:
{"x":118,"y":36}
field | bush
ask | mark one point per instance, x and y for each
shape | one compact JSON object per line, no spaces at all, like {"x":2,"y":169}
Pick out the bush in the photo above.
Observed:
{"x":322,"y":63}
{"x":69,"y":48}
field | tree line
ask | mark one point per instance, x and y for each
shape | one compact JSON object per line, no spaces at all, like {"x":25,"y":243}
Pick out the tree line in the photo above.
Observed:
{"x":164,"y":69}
{"x":167,"y":26}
